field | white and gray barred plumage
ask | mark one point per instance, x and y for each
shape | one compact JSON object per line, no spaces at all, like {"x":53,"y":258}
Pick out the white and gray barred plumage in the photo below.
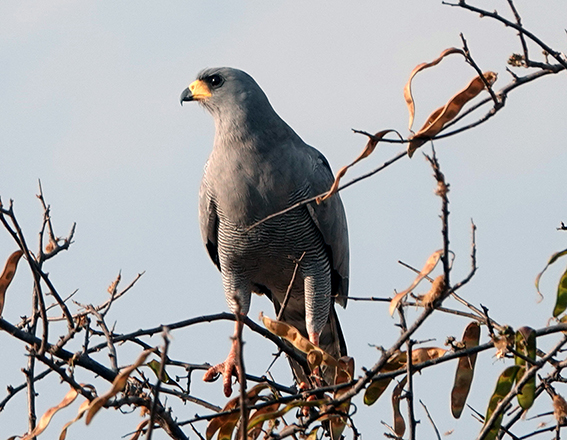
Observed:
{"x":260,"y":166}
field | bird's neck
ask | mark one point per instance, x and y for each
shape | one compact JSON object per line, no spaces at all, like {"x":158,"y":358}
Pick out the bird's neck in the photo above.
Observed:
{"x":251,"y":129}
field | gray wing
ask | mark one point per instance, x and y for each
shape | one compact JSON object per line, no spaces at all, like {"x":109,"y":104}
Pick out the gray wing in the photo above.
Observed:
{"x":208,"y":220}
{"x":330,"y":218}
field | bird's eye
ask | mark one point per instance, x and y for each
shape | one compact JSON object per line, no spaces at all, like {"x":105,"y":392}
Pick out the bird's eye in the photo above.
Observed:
{"x":216,"y":80}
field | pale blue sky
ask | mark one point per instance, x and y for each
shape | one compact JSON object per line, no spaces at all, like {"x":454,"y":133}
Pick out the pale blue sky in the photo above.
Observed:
{"x":90,"y":105}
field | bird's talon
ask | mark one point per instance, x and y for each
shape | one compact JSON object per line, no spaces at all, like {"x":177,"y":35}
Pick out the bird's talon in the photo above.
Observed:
{"x":227,"y":369}
{"x":213,"y":373}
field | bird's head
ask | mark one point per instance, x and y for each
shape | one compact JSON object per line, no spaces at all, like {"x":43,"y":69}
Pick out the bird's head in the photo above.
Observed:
{"x":227,"y":92}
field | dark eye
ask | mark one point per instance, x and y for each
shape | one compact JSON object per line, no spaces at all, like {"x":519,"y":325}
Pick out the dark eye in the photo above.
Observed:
{"x":216,"y":80}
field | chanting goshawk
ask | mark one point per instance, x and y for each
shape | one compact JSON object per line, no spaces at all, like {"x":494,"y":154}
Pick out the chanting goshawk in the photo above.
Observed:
{"x":260,"y":166}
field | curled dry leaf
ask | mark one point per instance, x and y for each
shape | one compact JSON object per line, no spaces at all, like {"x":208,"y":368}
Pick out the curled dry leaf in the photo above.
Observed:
{"x":440,"y":117}
{"x":8,"y":275}
{"x":82,"y":409}
{"x":559,"y":408}
{"x":48,"y":415}
{"x":407,"y":89}
{"x":368,"y":149}
{"x":117,"y":386}
{"x":552,"y":260}
{"x":292,"y":335}
{"x":429,"y":266}
{"x":399,"y":423}
{"x":140,"y":429}
{"x":465,"y":370}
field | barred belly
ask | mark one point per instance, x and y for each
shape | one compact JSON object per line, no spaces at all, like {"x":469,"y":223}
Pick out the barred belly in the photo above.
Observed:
{"x":266,"y":257}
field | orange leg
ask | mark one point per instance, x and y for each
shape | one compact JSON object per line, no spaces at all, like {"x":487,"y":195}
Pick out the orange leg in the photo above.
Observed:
{"x":228,"y":368}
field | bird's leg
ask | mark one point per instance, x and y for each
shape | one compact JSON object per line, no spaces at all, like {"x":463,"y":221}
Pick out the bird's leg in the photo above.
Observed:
{"x":229,"y":367}
{"x":314,"y":338}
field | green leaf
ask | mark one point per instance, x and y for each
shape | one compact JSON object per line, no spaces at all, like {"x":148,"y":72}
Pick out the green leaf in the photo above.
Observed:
{"x":375,"y":390}
{"x":561,"y":301}
{"x":155,"y":366}
{"x":503,"y":387}
{"x":526,"y":345}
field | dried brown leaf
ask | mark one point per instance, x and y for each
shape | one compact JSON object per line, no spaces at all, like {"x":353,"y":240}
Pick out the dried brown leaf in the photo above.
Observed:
{"x":48,"y":415}
{"x":559,"y":408}
{"x":225,"y":424}
{"x":465,"y":370}
{"x":292,"y":335}
{"x":140,"y":429}
{"x":399,"y":423}
{"x":429,"y":266}
{"x":424,"y":354}
{"x":440,"y":117}
{"x":82,"y":409}
{"x":8,"y":275}
{"x":117,"y":386}
{"x":344,"y":374}
{"x":254,"y":432}
{"x":437,"y":288}
{"x":407,"y":89}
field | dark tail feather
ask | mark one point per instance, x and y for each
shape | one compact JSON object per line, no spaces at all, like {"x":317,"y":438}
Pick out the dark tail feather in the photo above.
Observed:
{"x":333,"y":342}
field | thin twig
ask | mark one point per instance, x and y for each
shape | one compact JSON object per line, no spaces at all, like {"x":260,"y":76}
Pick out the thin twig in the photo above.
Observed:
{"x":437,"y":433}
{"x":288,"y":291}
{"x":472,"y":62}
{"x":516,"y":26}
{"x":29,"y":373}
{"x":409,"y":396}
{"x":442,"y":190}
{"x":157,"y":386}
{"x":110,"y":343}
